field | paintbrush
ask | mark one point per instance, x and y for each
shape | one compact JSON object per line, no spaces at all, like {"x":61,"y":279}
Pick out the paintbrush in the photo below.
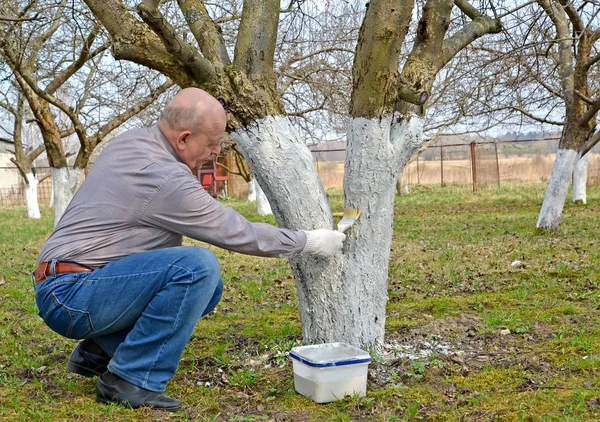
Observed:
{"x":348,"y":219}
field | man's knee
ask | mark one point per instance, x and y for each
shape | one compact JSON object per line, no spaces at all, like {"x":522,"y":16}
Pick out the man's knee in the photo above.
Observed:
{"x":203,"y":262}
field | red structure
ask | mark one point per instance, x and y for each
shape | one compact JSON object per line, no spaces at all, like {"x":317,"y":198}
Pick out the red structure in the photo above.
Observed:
{"x":211,"y":179}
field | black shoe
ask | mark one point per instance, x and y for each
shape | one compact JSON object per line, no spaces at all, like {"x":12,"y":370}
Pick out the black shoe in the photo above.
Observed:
{"x":88,"y":359}
{"x":114,"y":389}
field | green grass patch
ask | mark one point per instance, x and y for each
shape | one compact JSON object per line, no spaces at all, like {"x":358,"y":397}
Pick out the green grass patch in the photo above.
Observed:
{"x":515,"y":342}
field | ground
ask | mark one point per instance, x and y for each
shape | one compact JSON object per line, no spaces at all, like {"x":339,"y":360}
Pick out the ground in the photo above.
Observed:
{"x":487,"y":320}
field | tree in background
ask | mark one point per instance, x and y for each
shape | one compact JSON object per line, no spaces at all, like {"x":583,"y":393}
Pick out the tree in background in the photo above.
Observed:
{"x":545,"y":72}
{"x":55,"y":53}
{"x":13,"y":102}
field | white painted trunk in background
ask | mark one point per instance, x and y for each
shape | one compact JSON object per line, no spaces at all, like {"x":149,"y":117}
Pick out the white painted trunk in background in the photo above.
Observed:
{"x":252,"y":190}
{"x":262,"y":203}
{"x":580,"y":179}
{"x":31,"y":196}
{"x":64,"y":184}
{"x":558,"y":186}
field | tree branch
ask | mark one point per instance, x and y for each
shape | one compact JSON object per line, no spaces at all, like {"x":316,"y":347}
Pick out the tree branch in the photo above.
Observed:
{"x":536,"y":118}
{"x":205,"y":31}
{"x":574,"y":17}
{"x":480,"y":25}
{"x":565,"y":46}
{"x":132,"y":40}
{"x":129,"y":113}
{"x":589,"y":144}
{"x":84,"y":56}
{"x":201,"y":68}
{"x":257,"y":36}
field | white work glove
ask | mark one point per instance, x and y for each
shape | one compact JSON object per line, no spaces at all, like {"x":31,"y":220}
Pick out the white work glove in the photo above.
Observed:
{"x":324,"y":243}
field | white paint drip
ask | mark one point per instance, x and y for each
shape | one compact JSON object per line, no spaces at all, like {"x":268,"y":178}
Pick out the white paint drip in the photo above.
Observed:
{"x":556,"y":193}
{"x":580,"y":179}
{"x":31,"y":196}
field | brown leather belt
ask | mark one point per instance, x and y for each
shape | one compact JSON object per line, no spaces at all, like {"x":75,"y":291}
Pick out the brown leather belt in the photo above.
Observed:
{"x":43,"y":270}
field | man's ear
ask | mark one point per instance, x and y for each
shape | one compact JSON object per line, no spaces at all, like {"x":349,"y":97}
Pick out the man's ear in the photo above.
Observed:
{"x":182,"y":139}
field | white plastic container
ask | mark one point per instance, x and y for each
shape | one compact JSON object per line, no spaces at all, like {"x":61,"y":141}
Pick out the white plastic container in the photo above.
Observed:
{"x":330,"y":371}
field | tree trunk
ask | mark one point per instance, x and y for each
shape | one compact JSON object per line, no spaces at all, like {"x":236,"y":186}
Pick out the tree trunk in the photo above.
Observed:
{"x":556,"y":193}
{"x":580,"y":180}
{"x":31,"y":196}
{"x":252,"y":190}
{"x":64,"y":184}
{"x":262,"y":203}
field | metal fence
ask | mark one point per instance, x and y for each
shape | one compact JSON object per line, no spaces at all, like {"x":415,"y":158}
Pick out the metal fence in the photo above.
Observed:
{"x":12,"y":191}
{"x":479,"y":164}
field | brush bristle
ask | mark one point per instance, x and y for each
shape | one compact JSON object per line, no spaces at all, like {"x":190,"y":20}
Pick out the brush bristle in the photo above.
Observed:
{"x":351,"y":213}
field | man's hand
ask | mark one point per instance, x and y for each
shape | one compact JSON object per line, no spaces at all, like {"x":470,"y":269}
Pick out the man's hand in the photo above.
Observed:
{"x":324,"y":243}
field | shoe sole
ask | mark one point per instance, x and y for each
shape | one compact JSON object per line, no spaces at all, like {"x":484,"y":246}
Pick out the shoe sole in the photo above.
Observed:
{"x":82,"y":370}
{"x":107,"y":401}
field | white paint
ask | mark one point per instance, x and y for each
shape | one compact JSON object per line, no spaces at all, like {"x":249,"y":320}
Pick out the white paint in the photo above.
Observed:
{"x":556,"y":193}
{"x":252,"y":190}
{"x":31,"y":196}
{"x":351,"y":307}
{"x":262,"y":203}
{"x":65,"y":182}
{"x":286,"y":171}
{"x":580,"y":179}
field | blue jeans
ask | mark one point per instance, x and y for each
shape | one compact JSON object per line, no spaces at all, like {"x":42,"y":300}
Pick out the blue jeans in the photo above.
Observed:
{"x":141,"y":309}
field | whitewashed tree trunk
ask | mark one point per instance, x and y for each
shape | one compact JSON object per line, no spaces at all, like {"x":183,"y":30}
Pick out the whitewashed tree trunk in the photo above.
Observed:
{"x":286,"y":171}
{"x":343,"y":298}
{"x":378,"y":151}
{"x":580,"y":180}
{"x":558,"y":186}
{"x":31,"y":196}
{"x":262,"y":203}
{"x":64,"y":184}
{"x":252,"y":190}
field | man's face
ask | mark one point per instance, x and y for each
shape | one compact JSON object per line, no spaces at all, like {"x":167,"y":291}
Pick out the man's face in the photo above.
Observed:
{"x":195,"y":149}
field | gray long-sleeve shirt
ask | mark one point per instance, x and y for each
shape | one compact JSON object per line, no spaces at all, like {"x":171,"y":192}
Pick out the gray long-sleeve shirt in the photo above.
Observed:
{"x":139,"y":196}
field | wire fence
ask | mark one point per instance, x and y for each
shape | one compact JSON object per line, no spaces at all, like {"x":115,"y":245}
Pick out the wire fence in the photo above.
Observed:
{"x":479,"y":164}
{"x":12,"y":190}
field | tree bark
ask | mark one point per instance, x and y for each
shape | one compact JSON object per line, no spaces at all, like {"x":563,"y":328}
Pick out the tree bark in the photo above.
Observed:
{"x":580,"y":180}
{"x":556,"y":193}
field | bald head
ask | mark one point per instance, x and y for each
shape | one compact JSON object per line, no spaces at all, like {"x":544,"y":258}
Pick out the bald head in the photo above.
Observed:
{"x":191,"y":109}
{"x":194,"y":123}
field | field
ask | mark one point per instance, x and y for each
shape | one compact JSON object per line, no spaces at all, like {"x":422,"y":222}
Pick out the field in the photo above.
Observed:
{"x":470,"y":335}
{"x":527,"y":168}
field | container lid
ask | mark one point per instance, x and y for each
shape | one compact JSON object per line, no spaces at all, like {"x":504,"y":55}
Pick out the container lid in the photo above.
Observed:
{"x":329,"y":354}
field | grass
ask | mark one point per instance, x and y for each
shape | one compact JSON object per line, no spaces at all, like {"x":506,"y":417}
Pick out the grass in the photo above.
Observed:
{"x":524,"y":340}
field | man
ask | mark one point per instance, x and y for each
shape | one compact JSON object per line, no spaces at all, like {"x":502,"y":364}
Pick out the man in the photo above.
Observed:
{"x":114,"y":272}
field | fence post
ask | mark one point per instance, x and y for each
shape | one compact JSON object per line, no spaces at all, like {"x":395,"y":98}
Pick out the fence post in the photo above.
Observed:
{"x":474,"y":165}
{"x":442,"y":163}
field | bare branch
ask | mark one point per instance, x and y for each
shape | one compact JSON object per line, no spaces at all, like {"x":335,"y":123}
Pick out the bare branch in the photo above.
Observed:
{"x":205,"y":31}
{"x":201,"y":68}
